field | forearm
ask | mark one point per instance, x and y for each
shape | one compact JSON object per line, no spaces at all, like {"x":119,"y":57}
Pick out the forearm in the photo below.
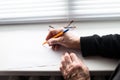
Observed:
{"x":108,"y":45}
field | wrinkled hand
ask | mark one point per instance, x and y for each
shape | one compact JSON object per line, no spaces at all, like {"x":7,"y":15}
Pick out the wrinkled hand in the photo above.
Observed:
{"x":67,"y":40}
{"x":73,"y":68}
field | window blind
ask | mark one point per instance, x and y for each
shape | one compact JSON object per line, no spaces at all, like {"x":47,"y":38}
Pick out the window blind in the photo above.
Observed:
{"x":12,"y":11}
{"x":95,"y":9}
{"x":27,"y":11}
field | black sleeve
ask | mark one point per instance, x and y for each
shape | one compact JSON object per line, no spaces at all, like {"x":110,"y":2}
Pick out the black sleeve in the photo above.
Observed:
{"x":116,"y":73}
{"x":108,"y":45}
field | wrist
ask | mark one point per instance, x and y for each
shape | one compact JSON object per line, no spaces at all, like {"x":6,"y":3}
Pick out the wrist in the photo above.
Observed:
{"x":77,"y":43}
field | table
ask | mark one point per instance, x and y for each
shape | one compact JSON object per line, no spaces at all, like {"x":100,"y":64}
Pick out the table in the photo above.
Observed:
{"x":22,"y":53}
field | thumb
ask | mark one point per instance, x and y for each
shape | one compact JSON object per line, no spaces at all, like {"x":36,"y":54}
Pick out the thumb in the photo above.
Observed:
{"x":53,"y":41}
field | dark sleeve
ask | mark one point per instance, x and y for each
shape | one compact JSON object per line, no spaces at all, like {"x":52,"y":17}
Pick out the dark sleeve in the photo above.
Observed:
{"x":116,"y":73}
{"x":108,"y":45}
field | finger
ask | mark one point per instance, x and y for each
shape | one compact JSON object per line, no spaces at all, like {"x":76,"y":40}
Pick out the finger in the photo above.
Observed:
{"x":55,"y":47}
{"x":73,"y":71}
{"x":75,"y":67}
{"x":52,"y":32}
{"x":62,"y":69}
{"x":63,"y":63}
{"x":67,"y":59}
{"x":53,"y":41}
{"x":74,"y":57}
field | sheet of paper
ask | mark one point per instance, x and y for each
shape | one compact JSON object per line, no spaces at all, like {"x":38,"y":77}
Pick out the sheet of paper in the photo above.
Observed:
{"x":24,"y":49}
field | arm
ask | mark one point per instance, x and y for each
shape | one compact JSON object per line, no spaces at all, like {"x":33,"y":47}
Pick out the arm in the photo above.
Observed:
{"x":108,"y":45}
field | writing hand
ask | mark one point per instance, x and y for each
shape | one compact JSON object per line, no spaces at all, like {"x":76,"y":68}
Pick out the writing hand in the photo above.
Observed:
{"x":67,"y":40}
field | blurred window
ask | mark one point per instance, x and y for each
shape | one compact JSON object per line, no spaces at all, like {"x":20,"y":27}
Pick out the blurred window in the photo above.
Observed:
{"x":31,"y":11}
{"x":96,"y":9}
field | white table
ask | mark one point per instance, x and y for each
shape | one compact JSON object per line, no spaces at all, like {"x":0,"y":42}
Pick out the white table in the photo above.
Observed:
{"x":22,"y":53}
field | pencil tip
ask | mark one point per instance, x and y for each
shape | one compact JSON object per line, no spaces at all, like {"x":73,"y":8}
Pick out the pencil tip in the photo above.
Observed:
{"x":44,"y":42}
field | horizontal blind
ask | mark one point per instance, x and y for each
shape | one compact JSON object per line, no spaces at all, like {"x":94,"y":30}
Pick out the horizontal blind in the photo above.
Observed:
{"x":32,"y":10}
{"x":27,"y":11}
{"x":95,"y":9}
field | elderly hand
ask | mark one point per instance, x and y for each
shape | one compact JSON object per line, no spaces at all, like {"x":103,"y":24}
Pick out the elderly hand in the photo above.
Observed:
{"x":73,"y":68}
{"x":67,"y":40}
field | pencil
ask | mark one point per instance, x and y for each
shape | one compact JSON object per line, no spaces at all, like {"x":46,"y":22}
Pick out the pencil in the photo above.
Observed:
{"x":58,"y":34}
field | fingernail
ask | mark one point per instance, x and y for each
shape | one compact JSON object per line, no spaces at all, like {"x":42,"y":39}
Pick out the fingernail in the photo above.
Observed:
{"x":66,"y":54}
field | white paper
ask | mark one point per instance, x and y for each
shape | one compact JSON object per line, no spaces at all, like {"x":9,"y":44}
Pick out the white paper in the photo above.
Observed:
{"x":24,"y":49}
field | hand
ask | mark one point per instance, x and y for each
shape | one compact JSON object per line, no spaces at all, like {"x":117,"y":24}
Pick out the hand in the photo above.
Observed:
{"x":67,"y":40}
{"x":73,"y":68}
